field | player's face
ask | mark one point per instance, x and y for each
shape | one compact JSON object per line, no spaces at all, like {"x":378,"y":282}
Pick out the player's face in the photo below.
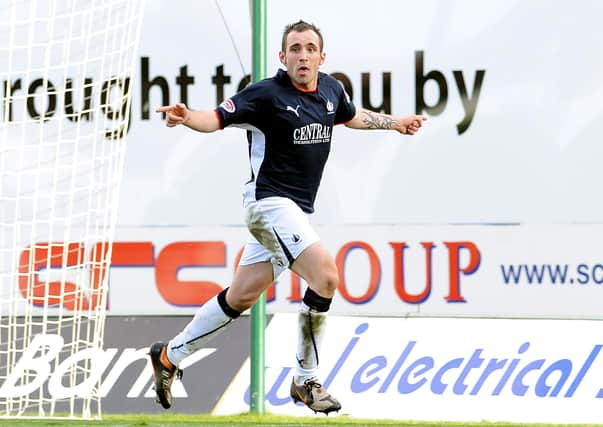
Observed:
{"x":302,"y":58}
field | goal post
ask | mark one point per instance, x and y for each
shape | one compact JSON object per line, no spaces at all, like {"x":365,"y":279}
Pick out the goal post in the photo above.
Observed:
{"x":66,"y":69}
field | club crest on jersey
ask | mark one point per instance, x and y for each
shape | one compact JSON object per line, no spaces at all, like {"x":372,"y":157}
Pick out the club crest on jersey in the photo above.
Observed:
{"x":330,"y":107}
{"x":228,"y":105}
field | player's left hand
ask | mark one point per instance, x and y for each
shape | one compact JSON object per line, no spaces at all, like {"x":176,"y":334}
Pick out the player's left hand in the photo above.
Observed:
{"x":411,"y":124}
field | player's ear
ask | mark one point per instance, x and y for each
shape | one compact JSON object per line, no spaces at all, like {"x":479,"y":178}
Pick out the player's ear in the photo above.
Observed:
{"x":323,"y":56}
{"x":281,"y":57}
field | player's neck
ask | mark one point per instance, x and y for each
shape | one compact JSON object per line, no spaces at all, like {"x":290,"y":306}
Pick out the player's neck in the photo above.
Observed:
{"x":310,"y":87}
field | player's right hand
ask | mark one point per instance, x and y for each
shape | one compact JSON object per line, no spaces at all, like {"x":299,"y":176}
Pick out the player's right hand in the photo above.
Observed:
{"x":176,"y":114}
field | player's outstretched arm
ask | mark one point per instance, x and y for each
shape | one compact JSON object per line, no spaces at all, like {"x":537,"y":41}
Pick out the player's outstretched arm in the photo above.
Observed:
{"x":179,"y":114}
{"x":366,"y":119}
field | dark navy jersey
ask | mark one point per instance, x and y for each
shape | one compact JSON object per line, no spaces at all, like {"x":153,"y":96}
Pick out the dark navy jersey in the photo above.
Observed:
{"x":289,"y":134}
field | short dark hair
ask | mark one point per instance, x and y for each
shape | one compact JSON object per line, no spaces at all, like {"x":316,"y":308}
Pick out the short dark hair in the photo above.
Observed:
{"x":299,"y":27}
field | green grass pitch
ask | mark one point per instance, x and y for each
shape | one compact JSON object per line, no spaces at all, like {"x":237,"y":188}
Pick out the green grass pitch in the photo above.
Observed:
{"x":163,"y":420}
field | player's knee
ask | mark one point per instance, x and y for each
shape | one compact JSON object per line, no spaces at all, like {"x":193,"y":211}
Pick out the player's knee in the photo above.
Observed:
{"x":330,"y":280}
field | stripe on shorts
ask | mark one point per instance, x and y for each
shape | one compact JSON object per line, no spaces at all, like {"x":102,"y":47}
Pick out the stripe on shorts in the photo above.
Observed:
{"x":285,"y":250}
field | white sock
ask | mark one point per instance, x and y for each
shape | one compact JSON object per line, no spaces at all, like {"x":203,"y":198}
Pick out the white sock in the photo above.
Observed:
{"x":311,"y":327}
{"x":208,"y":322}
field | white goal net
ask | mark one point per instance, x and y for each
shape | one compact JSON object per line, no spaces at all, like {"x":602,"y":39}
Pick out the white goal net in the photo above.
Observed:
{"x":66,"y":70}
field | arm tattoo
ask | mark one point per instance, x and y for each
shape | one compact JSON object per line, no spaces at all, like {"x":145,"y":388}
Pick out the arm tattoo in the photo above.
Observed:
{"x":374,"y":120}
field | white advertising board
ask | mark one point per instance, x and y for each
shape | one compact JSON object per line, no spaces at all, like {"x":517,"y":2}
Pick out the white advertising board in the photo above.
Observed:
{"x":513,"y":137}
{"x":514,"y":111}
{"x":480,"y":271}
{"x":519,"y":271}
{"x":442,"y":369}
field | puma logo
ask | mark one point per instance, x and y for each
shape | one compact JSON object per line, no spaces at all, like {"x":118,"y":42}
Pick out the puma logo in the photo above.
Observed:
{"x":294,"y":110}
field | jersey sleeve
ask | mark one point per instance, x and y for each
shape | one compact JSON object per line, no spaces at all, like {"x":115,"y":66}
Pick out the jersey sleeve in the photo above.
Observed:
{"x":242,"y":108}
{"x":345,"y":108}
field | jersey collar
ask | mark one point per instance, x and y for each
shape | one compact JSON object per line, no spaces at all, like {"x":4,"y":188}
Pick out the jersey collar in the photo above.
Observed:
{"x":284,"y":77}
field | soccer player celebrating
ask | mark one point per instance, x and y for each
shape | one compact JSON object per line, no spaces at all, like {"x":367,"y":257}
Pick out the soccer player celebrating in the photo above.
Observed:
{"x":289,"y":120}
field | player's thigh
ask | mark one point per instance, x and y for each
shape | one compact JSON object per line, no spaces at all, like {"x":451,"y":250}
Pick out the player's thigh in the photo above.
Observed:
{"x":282,"y":230}
{"x":317,"y":267}
{"x":248,"y":283}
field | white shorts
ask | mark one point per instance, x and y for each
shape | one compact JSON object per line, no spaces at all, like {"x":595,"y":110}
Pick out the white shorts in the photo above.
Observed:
{"x":279,"y":231}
